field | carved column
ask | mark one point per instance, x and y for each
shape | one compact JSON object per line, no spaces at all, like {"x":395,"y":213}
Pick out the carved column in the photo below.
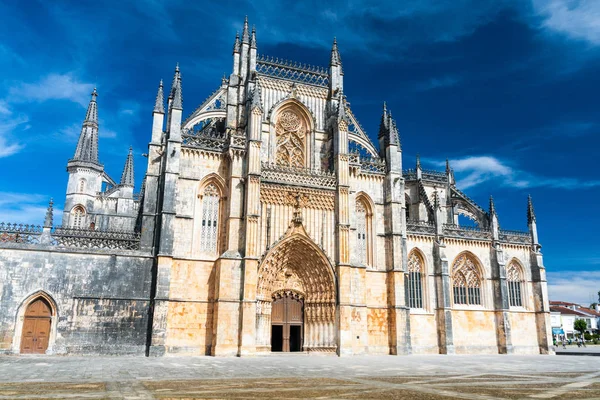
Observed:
{"x":248,"y":334}
{"x":501,"y":304}
{"x":229,"y":267}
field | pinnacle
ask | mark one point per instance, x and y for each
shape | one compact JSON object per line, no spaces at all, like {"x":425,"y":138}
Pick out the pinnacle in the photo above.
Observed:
{"x":253,"y":37}
{"x":418,"y":161}
{"x":245,"y":35}
{"x":127,"y":175}
{"x":530,"y":211}
{"x":48,"y":221}
{"x":335,"y":54}
{"x":159,"y":102}
{"x":492,"y":206}
{"x":236,"y":44}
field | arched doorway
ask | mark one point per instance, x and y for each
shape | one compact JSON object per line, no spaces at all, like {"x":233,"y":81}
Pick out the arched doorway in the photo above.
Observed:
{"x":287,"y":321}
{"x":35,"y":335}
{"x":296,"y":296}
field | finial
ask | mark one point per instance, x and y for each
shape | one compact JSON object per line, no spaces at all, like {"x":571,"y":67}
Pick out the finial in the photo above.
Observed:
{"x":530,"y":211}
{"x":94,"y":95}
{"x":236,"y":43}
{"x":245,"y":35}
{"x":492,"y":206}
{"x":159,"y":102}
{"x":127,"y":175}
{"x":418,"y":161}
{"x":384,"y":107}
{"x":253,"y":37}
{"x":335,"y":54}
{"x":48,"y":221}
{"x":175,"y":93}
{"x":447,"y":167}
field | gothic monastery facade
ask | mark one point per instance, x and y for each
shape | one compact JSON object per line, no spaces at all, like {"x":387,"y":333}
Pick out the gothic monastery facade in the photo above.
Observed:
{"x":269,"y":221}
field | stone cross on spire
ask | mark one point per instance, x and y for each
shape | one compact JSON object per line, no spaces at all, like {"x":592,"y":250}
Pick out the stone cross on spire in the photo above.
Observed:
{"x":127,"y":175}
{"x":87,"y":146}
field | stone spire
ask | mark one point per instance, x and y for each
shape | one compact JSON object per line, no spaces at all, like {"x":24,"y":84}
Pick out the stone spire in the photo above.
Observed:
{"x":492,"y":210}
{"x":175,"y":94}
{"x":530,"y":211}
{"x":449,"y":173}
{"x":236,"y":44}
{"x":245,"y":33}
{"x":127,"y":175}
{"x":335,"y":54}
{"x":253,"y":38}
{"x":159,"y":103}
{"x":388,"y":131}
{"x":87,"y":146}
{"x":48,"y":221}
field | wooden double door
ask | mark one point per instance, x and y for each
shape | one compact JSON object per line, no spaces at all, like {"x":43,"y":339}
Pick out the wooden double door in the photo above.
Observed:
{"x":287,"y":323}
{"x":36,"y":327}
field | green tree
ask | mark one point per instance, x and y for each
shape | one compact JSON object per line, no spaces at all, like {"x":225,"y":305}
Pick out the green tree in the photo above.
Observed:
{"x":580,"y":325}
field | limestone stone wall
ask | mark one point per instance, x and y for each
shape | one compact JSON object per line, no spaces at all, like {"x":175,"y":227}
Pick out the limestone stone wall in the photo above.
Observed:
{"x":524,"y":333}
{"x":474,"y":332}
{"x":100,"y":299}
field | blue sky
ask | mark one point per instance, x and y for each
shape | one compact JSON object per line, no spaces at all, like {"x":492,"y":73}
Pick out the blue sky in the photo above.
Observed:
{"x":507,"y":90}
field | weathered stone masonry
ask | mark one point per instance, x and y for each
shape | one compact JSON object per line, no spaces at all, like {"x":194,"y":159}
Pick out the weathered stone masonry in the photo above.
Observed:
{"x":269,"y":221}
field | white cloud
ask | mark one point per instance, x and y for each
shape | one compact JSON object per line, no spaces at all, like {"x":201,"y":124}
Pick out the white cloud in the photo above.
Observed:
{"x":574,"y":286}
{"x":23,"y":208}
{"x":578,"y":19}
{"x":9,"y":123}
{"x":53,"y":87}
{"x":471,"y":171}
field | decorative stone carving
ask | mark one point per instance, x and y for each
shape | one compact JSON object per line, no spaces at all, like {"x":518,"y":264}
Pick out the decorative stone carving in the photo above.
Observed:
{"x":291,"y":133}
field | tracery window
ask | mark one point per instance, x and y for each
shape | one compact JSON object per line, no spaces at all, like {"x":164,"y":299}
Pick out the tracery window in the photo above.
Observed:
{"x":513,"y":277}
{"x":78,"y":217}
{"x":414,"y":281}
{"x":361,"y":232}
{"x":466,"y":281}
{"x":210,"y":219}
{"x":364,"y":231}
{"x":291,"y":140}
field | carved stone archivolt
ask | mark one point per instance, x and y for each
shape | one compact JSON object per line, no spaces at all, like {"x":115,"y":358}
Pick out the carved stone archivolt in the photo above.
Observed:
{"x":298,"y":266}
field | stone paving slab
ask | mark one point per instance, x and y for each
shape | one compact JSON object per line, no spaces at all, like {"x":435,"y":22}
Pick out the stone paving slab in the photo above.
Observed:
{"x":299,"y":376}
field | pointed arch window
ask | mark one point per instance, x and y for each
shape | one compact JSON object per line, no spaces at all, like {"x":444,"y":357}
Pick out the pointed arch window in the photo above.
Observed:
{"x":515,"y":286}
{"x":209,"y":231}
{"x":466,"y":281}
{"x":291,"y":134}
{"x":81,"y":185}
{"x":78,"y":217}
{"x":414,"y":281}
{"x":361,"y":232}
{"x":364,"y":232}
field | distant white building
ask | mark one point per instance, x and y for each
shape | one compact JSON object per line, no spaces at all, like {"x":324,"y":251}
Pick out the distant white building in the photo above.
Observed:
{"x":563,"y":316}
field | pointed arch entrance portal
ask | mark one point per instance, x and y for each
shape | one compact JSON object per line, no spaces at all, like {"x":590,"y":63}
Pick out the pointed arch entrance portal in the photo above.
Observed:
{"x":36,"y":327}
{"x":296,"y":296}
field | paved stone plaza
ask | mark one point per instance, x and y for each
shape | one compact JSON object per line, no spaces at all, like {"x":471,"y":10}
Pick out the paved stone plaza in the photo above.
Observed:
{"x":300,"y":376}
